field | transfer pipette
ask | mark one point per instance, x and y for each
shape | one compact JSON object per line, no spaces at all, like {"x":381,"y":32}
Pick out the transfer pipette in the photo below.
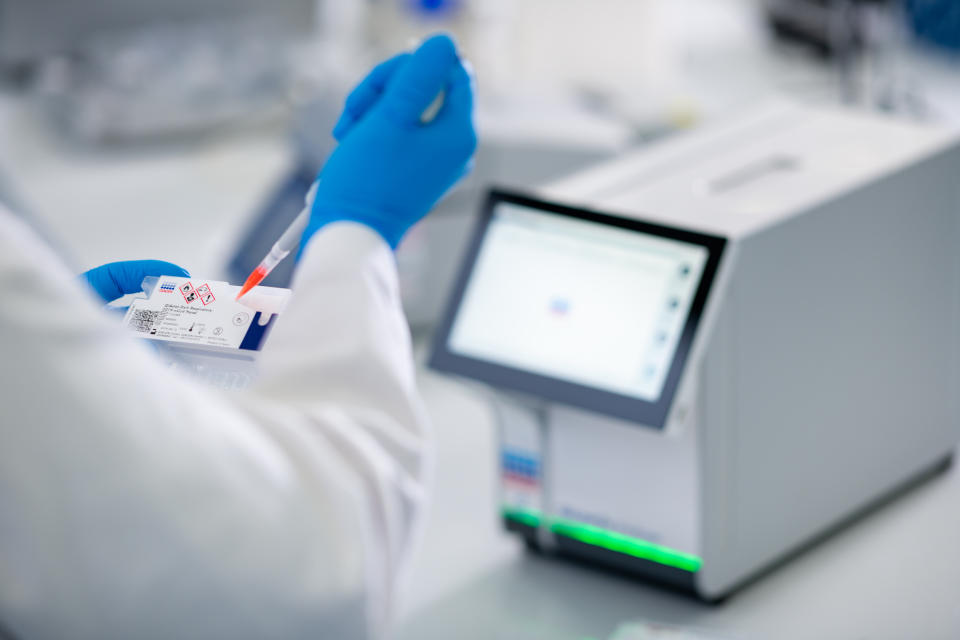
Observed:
{"x":282,"y":247}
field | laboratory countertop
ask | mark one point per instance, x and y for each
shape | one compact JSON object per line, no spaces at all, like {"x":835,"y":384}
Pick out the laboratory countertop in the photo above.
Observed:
{"x":894,"y":573}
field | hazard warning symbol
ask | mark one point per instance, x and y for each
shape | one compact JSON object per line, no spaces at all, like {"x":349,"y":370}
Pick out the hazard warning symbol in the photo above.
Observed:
{"x":189,"y":293}
{"x":203,"y":293}
{"x":206,"y":295}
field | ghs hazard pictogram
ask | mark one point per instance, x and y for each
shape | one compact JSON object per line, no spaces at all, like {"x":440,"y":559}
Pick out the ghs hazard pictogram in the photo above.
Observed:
{"x":206,"y":295}
{"x":203,"y":293}
{"x":189,"y":293}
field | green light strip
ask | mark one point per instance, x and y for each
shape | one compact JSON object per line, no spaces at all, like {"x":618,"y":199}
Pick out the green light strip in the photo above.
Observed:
{"x":610,"y":540}
{"x":620,"y":543}
{"x":529,"y":517}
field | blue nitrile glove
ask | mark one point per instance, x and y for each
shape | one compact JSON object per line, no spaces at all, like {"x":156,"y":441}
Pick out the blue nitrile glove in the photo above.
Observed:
{"x":390,"y":168}
{"x":117,"y":279}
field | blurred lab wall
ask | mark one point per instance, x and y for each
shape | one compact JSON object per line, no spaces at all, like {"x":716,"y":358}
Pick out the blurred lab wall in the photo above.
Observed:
{"x":31,"y":28}
{"x":546,"y":45}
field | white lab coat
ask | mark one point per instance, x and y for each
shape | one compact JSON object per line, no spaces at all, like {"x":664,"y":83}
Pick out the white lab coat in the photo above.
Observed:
{"x":135,"y":503}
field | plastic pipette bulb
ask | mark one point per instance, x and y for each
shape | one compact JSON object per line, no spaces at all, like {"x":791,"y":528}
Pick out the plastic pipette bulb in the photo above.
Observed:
{"x":282,"y":247}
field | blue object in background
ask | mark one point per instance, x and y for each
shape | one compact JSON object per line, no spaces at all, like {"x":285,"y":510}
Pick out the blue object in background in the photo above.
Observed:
{"x":390,"y":167}
{"x":117,"y":279}
{"x":434,"y":8}
{"x":935,"y":21}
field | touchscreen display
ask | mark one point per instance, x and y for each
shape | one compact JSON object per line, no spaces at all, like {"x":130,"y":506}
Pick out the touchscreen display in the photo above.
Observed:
{"x":576,"y":300}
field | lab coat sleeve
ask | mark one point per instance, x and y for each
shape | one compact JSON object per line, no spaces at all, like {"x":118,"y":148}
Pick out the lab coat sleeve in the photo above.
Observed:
{"x":135,"y":503}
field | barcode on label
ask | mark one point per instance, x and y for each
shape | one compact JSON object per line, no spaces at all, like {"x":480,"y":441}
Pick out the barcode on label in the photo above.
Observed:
{"x":143,"y":319}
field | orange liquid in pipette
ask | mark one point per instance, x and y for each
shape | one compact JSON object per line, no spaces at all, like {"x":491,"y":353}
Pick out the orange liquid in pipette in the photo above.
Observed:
{"x":253,"y":280}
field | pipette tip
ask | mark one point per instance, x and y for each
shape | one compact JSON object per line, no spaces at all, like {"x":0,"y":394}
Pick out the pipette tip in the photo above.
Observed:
{"x":253,"y":280}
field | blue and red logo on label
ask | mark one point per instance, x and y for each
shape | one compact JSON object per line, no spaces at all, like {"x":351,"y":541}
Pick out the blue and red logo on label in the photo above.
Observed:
{"x":520,"y":469}
{"x":168,"y":287}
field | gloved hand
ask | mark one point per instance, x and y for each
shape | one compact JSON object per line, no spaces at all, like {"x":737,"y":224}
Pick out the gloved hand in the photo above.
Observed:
{"x":117,"y":279}
{"x":390,"y":168}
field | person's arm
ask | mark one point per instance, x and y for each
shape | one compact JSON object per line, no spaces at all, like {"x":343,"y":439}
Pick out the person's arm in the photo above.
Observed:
{"x":135,"y":503}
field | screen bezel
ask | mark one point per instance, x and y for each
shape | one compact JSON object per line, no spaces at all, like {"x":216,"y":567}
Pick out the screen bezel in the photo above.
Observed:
{"x":630,"y":408}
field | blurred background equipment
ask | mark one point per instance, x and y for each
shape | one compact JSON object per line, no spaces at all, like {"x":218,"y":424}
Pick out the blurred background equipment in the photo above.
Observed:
{"x":831,"y":27}
{"x":31,"y":30}
{"x":834,"y":27}
{"x":114,"y":70}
